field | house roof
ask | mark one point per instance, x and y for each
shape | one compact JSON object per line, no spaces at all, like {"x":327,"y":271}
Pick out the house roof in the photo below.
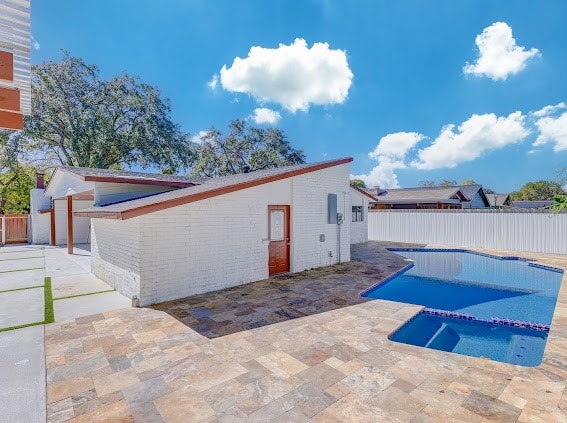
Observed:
{"x":470,"y":190}
{"x":420,"y":195}
{"x":498,"y":200}
{"x":363,"y":192}
{"x":532,"y":204}
{"x":211,"y":188}
{"x":128,"y":177}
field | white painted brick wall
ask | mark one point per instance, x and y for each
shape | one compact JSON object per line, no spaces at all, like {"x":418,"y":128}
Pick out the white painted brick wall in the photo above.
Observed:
{"x":81,"y":225}
{"x":222,"y":241}
{"x":40,"y":223}
{"x":309,"y":218}
{"x":115,"y":254}
{"x":359,"y":230}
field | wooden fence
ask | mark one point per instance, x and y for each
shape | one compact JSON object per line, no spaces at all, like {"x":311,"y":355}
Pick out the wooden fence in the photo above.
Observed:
{"x":14,"y":228}
{"x":534,"y":231}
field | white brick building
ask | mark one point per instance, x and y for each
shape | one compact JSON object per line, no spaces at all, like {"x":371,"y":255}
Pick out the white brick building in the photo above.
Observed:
{"x":224,"y":232}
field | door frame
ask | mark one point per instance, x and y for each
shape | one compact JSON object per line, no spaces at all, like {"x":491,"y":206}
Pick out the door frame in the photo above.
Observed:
{"x":287,"y":233}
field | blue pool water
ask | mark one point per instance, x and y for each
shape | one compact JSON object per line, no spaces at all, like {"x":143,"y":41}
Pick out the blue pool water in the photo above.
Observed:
{"x":480,"y":290}
{"x":478,"y":339}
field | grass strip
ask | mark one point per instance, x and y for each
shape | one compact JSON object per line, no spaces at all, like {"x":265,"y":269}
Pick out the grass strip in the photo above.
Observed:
{"x":84,"y":295}
{"x":21,"y":270}
{"x":21,"y":326}
{"x":48,"y":296}
{"x":21,"y":289}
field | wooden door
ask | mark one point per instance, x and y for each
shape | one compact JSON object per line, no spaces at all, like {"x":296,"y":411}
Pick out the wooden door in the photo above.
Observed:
{"x":278,"y":235}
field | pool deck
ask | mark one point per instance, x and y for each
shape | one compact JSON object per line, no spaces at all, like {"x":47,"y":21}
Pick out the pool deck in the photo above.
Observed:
{"x":295,"y":348}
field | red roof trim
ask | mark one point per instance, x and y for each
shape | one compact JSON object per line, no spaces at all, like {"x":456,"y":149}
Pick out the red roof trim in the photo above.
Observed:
{"x":128,"y":180}
{"x":364,"y":192}
{"x":190,"y":198}
{"x":136,"y":181}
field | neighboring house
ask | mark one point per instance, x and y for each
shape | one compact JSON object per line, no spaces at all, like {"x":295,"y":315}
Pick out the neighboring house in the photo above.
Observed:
{"x":418,"y":198}
{"x":499,"y":201}
{"x":459,"y":197}
{"x":359,"y":200}
{"x":476,"y":197}
{"x":532,"y":204}
{"x":213,"y":234}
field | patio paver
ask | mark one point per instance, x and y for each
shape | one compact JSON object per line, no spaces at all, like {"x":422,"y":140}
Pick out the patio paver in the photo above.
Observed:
{"x":333,"y":365}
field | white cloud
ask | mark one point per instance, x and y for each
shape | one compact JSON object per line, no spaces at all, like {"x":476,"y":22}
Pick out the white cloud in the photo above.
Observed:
{"x":212,"y":84}
{"x":265,"y":115}
{"x":475,"y":136}
{"x":199,"y":138}
{"x":293,"y":76}
{"x":499,"y":55}
{"x":34,"y":43}
{"x":552,"y":130}
{"x":549,"y":110}
{"x":390,"y":154}
{"x":396,"y":145}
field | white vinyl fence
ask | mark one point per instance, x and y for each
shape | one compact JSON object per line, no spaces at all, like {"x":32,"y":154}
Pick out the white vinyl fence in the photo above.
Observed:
{"x":535,"y":231}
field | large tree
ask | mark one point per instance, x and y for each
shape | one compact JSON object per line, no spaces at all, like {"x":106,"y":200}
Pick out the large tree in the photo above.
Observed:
{"x":79,"y":119}
{"x":540,"y":190}
{"x":244,"y":147}
{"x":16,"y":177}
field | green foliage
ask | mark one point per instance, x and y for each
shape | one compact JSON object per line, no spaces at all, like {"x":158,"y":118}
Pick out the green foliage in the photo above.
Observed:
{"x":469,"y":182}
{"x":257,"y":148}
{"x":538,"y":191}
{"x":16,"y":178}
{"x":448,"y":183}
{"x":78,"y":119}
{"x":15,"y":191}
{"x":358,"y":183}
{"x":560,"y":202}
{"x":432,"y":184}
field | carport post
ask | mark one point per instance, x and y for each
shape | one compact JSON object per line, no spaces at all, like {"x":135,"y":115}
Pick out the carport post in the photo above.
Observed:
{"x":70,"y":224}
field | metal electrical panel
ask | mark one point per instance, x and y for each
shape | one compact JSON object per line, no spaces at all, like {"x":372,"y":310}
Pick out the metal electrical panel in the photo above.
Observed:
{"x":332,"y":209}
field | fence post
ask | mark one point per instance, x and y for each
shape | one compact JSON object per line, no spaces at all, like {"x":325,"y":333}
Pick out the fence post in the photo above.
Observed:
{"x":3,"y":229}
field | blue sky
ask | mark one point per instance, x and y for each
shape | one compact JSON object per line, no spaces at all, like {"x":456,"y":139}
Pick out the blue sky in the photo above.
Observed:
{"x":413,"y":90}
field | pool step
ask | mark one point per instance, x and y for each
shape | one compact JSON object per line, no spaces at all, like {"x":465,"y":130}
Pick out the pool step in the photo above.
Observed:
{"x":445,"y":339}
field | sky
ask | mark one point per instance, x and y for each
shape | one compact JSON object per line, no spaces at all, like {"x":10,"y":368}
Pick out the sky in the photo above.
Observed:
{"x":413,"y":90}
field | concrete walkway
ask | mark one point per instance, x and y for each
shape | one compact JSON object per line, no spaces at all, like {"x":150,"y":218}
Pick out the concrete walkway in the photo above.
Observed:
{"x":75,"y":292}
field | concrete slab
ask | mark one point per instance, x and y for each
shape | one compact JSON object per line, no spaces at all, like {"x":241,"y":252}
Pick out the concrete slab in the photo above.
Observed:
{"x":64,"y":286}
{"x":58,"y":263}
{"x":20,"y":247}
{"x":24,"y":264}
{"x":22,"y":385}
{"x":16,"y":255}
{"x":21,"y":279}
{"x":21,"y":307}
{"x":72,"y":308}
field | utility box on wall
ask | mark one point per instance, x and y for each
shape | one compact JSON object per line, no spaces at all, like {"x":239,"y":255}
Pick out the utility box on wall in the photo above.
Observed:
{"x":332,"y":209}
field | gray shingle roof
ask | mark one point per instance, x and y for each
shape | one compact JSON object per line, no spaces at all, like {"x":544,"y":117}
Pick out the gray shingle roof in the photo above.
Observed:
{"x":211,"y":188}
{"x":419,"y":195}
{"x":532,"y":204}
{"x":497,"y":200}
{"x":469,"y":191}
{"x":129,"y":176}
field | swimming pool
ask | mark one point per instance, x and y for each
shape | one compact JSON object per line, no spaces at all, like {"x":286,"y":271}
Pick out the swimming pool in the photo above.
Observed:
{"x":470,"y":298}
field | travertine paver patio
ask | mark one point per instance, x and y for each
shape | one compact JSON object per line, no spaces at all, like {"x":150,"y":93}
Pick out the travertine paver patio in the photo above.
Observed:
{"x":337,"y":365}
